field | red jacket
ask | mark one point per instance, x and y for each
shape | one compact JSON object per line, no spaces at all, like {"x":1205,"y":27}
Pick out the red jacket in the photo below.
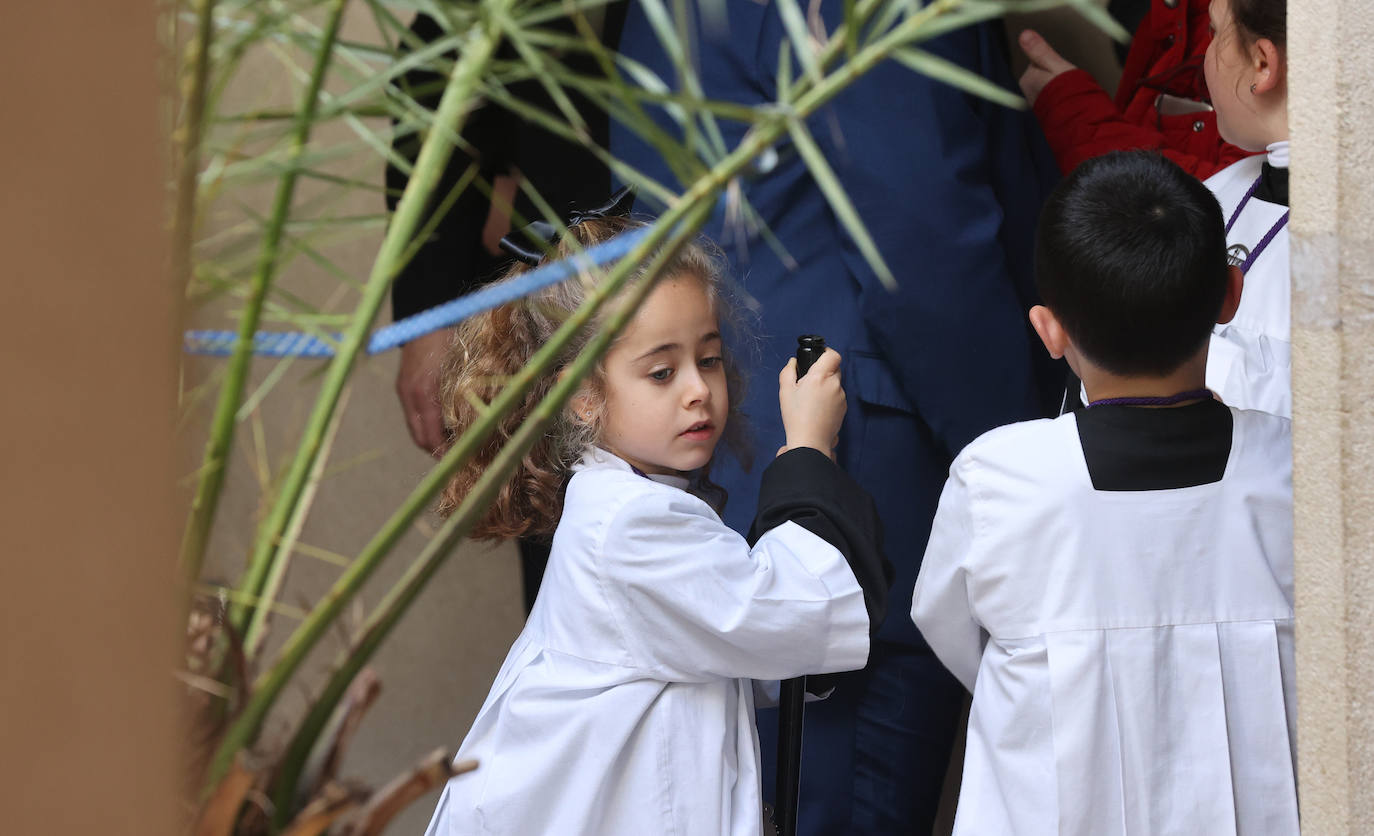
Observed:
{"x":1081,"y":121}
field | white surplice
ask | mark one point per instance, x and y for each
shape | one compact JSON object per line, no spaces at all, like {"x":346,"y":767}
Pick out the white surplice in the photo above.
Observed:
{"x":1249,"y":362}
{"x":626,"y":705}
{"x":1130,"y":653}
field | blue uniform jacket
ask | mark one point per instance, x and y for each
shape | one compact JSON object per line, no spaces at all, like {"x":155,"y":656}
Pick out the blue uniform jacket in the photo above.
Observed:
{"x":949,"y":186}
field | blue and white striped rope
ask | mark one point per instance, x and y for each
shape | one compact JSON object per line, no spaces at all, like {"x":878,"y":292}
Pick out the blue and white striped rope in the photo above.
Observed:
{"x":290,"y":344}
{"x":265,"y":343}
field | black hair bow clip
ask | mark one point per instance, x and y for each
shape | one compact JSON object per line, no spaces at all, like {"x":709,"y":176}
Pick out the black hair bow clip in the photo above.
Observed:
{"x":543,"y":233}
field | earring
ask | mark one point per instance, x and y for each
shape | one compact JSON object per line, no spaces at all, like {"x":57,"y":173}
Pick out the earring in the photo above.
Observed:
{"x":1252,"y":89}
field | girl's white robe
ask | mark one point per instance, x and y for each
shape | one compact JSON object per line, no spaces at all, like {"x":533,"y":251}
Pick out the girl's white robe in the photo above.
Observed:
{"x":626,"y":705}
{"x":1249,"y":361}
{"x":1130,"y":653}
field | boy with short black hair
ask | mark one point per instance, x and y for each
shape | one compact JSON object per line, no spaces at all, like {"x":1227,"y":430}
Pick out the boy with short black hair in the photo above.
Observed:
{"x":1115,"y":585}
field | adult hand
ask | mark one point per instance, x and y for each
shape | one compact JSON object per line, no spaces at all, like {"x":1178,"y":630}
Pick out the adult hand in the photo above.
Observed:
{"x":417,"y":385}
{"x":1045,"y":64}
{"x":503,"y":189}
{"x":813,"y":407}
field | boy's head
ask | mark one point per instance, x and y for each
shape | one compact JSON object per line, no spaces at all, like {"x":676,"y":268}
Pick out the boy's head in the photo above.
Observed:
{"x":1130,"y":259}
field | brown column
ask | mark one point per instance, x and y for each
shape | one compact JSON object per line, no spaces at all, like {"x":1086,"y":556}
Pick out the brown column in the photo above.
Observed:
{"x":87,"y":371}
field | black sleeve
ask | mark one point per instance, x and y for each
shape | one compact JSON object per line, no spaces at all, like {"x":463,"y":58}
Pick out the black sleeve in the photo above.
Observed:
{"x":805,"y":487}
{"x":452,"y":260}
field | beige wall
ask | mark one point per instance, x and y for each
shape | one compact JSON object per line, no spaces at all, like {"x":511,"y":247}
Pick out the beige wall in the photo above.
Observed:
{"x":1332,"y":115}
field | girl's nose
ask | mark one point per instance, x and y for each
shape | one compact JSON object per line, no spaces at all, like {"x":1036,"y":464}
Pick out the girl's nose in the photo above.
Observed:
{"x":695,"y":389}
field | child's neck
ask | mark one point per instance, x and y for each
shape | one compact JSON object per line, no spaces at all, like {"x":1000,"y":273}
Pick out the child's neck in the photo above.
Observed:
{"x":1100,"y":384}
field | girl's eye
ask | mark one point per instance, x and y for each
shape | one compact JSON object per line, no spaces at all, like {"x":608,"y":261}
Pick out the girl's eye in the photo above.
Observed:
{"x":710,"y":362}
{"x":661,"y":374}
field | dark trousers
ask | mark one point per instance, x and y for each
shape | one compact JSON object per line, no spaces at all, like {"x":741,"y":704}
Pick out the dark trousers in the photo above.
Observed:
{"x":534,"y":556}
{"x":875,"y":752}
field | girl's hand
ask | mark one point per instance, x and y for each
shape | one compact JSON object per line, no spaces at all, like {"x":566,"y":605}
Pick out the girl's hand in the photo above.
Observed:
{"x":813,"y":407}
{"x":1045,"y":64}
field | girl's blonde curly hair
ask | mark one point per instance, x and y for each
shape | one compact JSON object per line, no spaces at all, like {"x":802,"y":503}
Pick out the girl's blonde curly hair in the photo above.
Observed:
{"x":491,"y":347}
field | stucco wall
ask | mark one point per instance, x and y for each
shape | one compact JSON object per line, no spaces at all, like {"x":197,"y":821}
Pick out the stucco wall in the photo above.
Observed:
{"x":1331,"y":111}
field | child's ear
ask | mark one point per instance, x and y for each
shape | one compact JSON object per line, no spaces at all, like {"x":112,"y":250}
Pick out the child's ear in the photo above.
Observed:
{"x":1051,"y":333}
{"x":583,"y":404}
{"x":580,"y":407}
{"x":1268,"y":66}
{"x":1235,"y":283}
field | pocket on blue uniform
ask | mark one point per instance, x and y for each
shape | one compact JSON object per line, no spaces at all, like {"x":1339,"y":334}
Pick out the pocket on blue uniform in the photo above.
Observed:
{"x":873,"y":382}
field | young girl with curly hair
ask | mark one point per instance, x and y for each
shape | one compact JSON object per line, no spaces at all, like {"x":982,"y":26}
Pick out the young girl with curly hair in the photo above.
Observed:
{"x":626,"y":705}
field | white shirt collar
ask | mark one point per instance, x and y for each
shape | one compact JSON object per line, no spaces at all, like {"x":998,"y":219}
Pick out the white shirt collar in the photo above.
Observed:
{"x":597,"y":457}
{"x":1278,"y":154}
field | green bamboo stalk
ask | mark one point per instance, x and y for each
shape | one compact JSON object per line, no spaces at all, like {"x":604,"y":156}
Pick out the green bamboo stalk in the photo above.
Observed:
{"x":434,"y":156}
{"x":960,"y":78}
{"x":728,"y":110}
{"x":257,"y":627}
{"x":377,"y":82}
{"x":382,"y":24}
{"x":930,"y":21}
{"x":883,"y":22}
{"x":538,"y":14}
{"x":839,"y":201}
{"x":241,"y":37}
{"x":399,"y":598}
{"x":937,"y":18}
{"x":269,"y":382}
{"x":258,"y":623}
{"x":851,"y":20}
{"x":794,"y":23}
{"x":714,"y":146}
{"x":540,"y":68}
{"x":187,"y":140}
{"x":629,"y":174}
{"x":809,"y":97}
{"x":839,"y":43}
{"x":233,"y":165}
{"x":206,"y":499}
{"x":974,"y":11}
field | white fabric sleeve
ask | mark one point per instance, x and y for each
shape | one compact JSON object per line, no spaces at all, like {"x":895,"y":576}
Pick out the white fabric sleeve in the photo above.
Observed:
{"x":695,"y":603}
{"x":940,"y":605}
{"x":1251,"y":371}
